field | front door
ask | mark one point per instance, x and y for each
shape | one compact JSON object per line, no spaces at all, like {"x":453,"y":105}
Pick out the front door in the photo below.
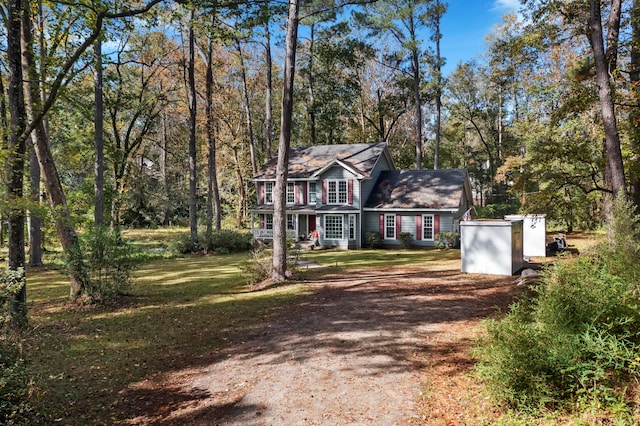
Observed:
{"x":312,"y":223}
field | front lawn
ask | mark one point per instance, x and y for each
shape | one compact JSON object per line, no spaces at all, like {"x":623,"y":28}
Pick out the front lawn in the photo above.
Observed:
{"x":179,"y":310}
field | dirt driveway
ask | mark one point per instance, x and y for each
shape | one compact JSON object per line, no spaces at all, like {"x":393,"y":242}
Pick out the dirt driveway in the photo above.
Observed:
{"x":377,"y":347}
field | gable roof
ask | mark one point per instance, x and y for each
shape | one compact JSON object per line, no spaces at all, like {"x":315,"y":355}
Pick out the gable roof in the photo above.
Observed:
{"x":418,"y":189}
{"x":304,"y":162}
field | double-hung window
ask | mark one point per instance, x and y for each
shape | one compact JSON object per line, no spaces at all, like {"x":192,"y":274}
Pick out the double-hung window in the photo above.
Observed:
{"x":352,"y":226}
{"x":333,"y":227}
{"x":337,"y":192}
{"x":291,"y":193}
{"x":312,"y":192}
{"x":268,"y":221}
{"x":389,"y":226}
{"x":268,"y":192}
{"x":427,"y":227}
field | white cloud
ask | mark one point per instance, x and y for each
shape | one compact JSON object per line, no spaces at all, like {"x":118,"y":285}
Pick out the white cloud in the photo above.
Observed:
{"x":507,"y":5}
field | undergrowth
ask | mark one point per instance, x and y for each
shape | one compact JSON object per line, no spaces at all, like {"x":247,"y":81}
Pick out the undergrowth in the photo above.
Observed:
{"x":574,"y":343}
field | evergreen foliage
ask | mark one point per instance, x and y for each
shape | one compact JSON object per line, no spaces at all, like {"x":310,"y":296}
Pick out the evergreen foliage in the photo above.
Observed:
{"x":575,"y":341}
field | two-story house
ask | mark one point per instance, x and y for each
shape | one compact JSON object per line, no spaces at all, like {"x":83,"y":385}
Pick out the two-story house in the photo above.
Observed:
{"x":346,"y":191}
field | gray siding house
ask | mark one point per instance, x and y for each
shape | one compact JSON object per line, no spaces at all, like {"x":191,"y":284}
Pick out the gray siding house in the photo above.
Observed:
{"x":346,"y":191}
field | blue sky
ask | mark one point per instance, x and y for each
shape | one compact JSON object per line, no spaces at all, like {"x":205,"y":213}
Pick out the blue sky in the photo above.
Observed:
{"x":465,"y":26}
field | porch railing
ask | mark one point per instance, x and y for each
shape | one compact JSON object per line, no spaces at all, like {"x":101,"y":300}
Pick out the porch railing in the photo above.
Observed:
{"x":267,"y":234}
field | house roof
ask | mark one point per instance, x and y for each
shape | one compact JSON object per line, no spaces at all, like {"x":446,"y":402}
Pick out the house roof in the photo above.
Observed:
{"x":418,"y":189}
{"x":306,"y":161}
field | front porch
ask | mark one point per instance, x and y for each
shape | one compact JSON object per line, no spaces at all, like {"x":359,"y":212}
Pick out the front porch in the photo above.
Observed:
{"x":300,"y":227}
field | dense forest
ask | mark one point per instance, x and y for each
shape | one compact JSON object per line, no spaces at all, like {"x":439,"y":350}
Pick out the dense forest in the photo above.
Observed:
{"x":144,"y":114}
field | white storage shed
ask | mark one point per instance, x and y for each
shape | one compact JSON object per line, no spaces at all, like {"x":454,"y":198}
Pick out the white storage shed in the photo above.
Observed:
{"x":491,"y":246}
{"x":534,"y":233}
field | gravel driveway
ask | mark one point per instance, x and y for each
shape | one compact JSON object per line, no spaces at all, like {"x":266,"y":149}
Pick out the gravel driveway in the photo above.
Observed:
{"x":366,"y":348}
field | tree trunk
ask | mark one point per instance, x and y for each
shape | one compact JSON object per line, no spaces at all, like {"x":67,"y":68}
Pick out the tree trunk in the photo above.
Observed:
{"x":57,"y":201}
{"x":193,"y":194}
{"x":612,"y":138}
{"x":312,"y":96}
{"x":214,"y":217}
{"x":247,"y":109}
{"x":279,"y":193}
{"x":417,"y":98}
{"x":4,"y":145}
{"x":634,"y":113}
{"x":16,"y":157}
{"x":241,"y":190}
{"x":163,"y":171}
{"x":268,"y":95}
{"x":98,"y":165}
{"x":437,"y":37}
{"x":35,"y":224}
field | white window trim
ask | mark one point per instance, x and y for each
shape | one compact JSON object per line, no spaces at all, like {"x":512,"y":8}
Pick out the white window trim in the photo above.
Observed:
{"x":292,"y":192}
{"x":337,"y":191}
{"x":386,"y":224}
{"x":326,"y":235}
{"x":268,"y":221}
{"x":424,"y":222}
{"x":268,"y":194}
{"x":353,"y":226}
{"x":314,"y":192}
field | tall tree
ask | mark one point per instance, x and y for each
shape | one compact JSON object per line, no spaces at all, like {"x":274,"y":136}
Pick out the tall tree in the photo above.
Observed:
{"x":98,"y":120}
{"x":279,"y":192}
{"x":434,"y":14}
{"x":213,"y":189}
{"x":403,"y":21}
{"x":193,"y":113}
{"x":16,"y":156}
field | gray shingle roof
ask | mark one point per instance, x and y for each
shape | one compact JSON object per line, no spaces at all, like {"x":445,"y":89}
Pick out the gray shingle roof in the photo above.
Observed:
{"x":305,"y":161}
{"x":418,"y":189}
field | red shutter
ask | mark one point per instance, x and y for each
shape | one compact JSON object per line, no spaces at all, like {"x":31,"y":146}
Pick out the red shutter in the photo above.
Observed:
{"x":296,"y":193}
{"x":324,"y":191}
{"x":419,"y":227}
{"x":261,"y":192}
{"x":350,"y":191}
{"x":261,"y":221}
{"x":398,"y":226}
{"x":436,"y":225}
{"x":382,"y":225}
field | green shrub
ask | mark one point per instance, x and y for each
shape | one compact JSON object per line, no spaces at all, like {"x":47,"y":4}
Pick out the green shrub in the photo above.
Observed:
{"x":18,"y":392}
{"x":373,"y":239}
{"x":576,"y":342}
{"x":406,"y":239}
{"x":11,"y":283}
{"x":447,"y":240}
{"x":258,"y":266}
{"x":222,"y":242}
{"x":110,"y":260}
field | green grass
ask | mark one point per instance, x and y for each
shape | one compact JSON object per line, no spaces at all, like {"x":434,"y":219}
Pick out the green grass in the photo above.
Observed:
{"x":180,"y":310}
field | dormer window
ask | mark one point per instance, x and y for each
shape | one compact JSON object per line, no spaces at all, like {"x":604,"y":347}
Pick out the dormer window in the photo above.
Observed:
{"x":268,"y":192}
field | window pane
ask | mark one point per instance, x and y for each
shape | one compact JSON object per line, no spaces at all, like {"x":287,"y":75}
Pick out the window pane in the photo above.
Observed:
{"x":291,"y":195}
{"x":352,"y":227}
{"x":427,"y":227}
{"x":342,"y":192}
{"x":332,"y":192}
{"x":268,"y":192}
{"x":268,"y":221}
{"x":390,"y":226}
{"x":312,"y":193}
{"x":333,"y":227}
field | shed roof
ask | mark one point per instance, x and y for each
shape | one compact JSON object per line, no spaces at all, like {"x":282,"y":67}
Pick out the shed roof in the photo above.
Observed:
{"x":418,"y":189}
{"x":305,"y":161}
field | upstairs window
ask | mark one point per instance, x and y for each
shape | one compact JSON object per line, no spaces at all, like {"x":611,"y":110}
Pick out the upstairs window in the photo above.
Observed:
{"x":337,"y":192}
{"x":291,"y":193}
{"x":268,"y":192}
{"x":312,"y":192}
